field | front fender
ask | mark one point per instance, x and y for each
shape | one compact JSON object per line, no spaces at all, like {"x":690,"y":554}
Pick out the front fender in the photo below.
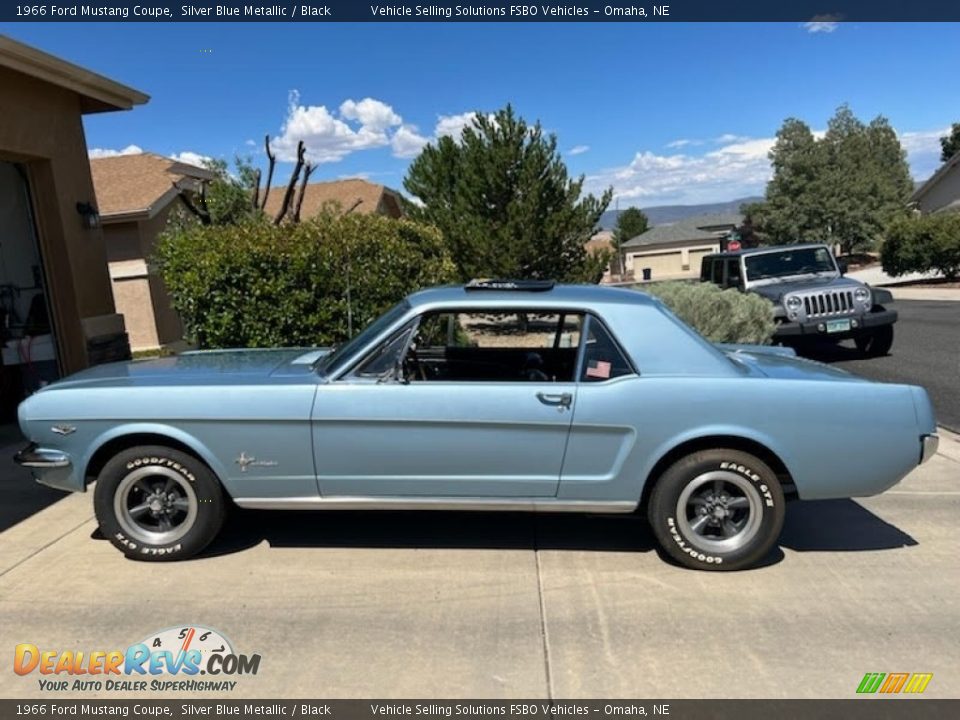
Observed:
{"x":160,"y":430}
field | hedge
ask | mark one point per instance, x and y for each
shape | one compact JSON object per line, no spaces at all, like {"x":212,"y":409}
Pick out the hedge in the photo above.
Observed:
{"x":260,"y":285}
{"x":728,"y":316}
{"x":922,"y":244}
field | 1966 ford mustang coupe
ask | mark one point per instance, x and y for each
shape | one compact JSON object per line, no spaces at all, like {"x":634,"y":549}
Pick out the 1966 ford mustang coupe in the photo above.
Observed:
{"x":493,"y":396}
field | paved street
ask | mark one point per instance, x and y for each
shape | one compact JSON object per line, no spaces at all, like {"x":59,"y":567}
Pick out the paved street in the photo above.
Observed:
{"x":926,"y":351}
{"x":451,"y":605}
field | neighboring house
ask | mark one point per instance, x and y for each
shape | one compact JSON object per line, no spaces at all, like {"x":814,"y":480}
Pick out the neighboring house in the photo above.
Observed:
{"x":57,"y":314}
{"x":136,"y":195}
{"x":353,"y":195}
{"x":602,"y":242}
{"x":675,"y":251}
{"x":941,"y":193}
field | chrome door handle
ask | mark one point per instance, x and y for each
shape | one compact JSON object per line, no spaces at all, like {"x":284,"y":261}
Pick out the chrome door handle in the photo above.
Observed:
{"x":560,"y":400}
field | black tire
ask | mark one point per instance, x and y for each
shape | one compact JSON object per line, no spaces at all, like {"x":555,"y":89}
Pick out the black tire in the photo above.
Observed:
{"x":731,"y":537}
{"x":184,"y":503}
{"x":875,"y":343}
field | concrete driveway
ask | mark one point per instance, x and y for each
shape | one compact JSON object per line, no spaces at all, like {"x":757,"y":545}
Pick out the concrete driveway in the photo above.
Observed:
{"x":484,"y":605}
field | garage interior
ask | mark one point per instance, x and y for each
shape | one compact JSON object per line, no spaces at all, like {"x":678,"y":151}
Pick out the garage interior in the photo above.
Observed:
{"x":27,"y":340}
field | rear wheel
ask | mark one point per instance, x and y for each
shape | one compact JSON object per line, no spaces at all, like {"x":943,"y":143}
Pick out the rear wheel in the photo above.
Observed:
{"x":717,"y":510}
{"x":157,"y":503}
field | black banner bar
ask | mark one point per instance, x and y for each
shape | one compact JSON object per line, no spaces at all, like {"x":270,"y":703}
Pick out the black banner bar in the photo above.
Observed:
{"x":445,"y":11}
{"x":873,"y":708}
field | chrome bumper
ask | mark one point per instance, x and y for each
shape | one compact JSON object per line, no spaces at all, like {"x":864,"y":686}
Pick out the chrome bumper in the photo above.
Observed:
{"x":33,"y":456}
{"x":928,"y":447}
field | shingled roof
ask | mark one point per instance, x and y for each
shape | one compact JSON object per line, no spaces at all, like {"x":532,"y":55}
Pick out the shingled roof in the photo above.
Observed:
{"x":693,"y":229}
{"x":131,"y":186}
{"x":354,"y":195}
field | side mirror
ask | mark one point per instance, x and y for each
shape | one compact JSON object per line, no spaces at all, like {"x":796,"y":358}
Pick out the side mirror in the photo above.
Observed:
{"x":842,"y":265}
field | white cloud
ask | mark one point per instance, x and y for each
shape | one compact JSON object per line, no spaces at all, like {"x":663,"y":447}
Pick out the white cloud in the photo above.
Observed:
{"x":735,"y":169}
{"x":821,"y":26}
{"x":407,"y":142}
{"x":330,"y":137}
{"x":191,"y":158}
{"x":579,"y":149}
{"x":682,"y":142}
{"x":453,"y":125}
{"x":370,"y":113}
{"x":730,"y":138}
{"x":107,"y":152}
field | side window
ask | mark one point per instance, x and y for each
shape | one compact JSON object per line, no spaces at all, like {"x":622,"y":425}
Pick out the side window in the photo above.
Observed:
{"x":705,"y":266}
{"x":733,"y":272}
{"x":717,"y":276}
{"x":496,"y":346}
{"x":602,"y":359}
{"x":386,"y":357}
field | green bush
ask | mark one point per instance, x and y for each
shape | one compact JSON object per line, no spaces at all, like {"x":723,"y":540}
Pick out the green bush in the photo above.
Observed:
{"x":728,"y":316}
{"x":922,"y":244}
{"x":256,"y":284}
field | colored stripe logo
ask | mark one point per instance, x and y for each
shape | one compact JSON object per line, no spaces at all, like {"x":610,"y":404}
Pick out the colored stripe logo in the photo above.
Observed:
{"x":891,"y":683}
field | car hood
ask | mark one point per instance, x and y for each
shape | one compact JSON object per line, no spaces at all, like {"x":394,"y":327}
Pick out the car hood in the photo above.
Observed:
{"x":775,"y":291}
{"x":782,"y":363}
{"x":208,"y":366}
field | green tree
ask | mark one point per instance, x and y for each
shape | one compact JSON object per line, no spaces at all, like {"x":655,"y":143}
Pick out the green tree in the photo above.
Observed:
{"x":950,"y":144}
{"x":845,"y":188}
{"x":630,"y":223}
{"x":224,"y":200}
{"x":792,"y":210}
{"x":502,"y":198}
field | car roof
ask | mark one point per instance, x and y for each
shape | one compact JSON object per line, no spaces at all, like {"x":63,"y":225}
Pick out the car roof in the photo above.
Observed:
{"x":558,"y":295}
{"x":762,"y":250}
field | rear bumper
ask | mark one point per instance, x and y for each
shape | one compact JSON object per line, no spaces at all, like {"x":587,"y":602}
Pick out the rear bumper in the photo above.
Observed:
{"x":928,"y":447}
{"x":34,"y":456}
{"x":818,"y":328}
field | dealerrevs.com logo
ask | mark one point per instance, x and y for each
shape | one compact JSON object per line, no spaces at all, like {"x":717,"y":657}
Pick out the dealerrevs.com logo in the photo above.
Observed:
{"x":169,"y":660}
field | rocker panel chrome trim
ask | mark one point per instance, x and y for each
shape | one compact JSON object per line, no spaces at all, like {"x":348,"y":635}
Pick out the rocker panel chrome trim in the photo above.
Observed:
{"x":415,"y":503}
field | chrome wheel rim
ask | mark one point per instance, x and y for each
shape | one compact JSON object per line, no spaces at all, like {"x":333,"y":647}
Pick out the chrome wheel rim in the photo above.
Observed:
{"x":719,"y":511}
{"x":155,"y":505}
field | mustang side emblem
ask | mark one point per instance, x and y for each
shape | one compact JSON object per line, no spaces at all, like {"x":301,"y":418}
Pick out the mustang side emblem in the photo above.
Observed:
{"x":245,"y":461}
{"x":63,"y":429}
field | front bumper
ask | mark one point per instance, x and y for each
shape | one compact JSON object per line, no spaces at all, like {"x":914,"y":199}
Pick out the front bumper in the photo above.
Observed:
{"x":812,"y":328}
{"x":34,"y":456}
{"x":928,"y":447}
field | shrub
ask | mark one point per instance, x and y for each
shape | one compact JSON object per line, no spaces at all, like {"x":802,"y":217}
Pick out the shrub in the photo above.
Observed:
{"x":257,"y":284}
{"x":728,"y":316}
{"x":922,"y":244}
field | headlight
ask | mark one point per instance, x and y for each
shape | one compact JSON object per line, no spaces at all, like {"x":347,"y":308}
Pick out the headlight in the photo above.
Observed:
{"x":794,"y":303}
{"x":861,"y":295}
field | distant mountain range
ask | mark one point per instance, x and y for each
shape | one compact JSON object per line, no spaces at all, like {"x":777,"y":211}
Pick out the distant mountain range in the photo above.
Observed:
{"x":666,"y":214}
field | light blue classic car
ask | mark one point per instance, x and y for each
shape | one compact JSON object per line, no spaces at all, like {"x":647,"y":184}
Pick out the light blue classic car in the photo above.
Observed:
{"x":500,"y":395}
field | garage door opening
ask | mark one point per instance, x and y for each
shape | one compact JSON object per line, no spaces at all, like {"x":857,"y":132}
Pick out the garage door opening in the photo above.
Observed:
{"x":27,"y":341}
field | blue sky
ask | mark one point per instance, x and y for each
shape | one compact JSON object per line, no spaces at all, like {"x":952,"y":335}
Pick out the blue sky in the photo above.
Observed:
{"x":667,"y":113}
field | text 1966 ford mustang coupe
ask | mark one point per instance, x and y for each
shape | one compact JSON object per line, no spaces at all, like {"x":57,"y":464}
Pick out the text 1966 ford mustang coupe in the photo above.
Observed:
{"x":493,"y":396}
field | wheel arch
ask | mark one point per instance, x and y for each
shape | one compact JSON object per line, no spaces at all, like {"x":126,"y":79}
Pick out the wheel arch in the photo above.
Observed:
{"x":124,"y":437}
{"x":719,"y":440}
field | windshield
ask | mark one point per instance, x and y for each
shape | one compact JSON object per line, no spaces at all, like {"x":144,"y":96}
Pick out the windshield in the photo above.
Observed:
{"x":332,"y":362}
{"x":802,"y":261}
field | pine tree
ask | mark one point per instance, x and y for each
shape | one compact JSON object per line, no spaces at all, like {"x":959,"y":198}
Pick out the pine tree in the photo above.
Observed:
{"x":502,"y":198}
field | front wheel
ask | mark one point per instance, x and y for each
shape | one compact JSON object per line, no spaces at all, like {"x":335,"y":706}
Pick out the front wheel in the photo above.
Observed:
{"x":717,"y":510}
{"x":157,"y":503}
{"x":876,"y":343}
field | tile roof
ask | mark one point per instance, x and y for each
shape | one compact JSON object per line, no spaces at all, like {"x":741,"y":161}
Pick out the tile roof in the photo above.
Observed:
{"x":138,"y":184}
{"x":357,"y":194}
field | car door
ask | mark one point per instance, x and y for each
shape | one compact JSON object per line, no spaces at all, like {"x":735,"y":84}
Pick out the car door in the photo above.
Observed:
{"x":469,"y":411}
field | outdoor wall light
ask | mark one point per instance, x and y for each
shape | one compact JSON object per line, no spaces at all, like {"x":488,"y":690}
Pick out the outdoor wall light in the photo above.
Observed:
{"x":91,"y":218}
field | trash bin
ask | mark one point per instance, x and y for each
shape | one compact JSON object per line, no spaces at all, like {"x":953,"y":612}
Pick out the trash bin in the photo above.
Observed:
{"x":646,"y":274}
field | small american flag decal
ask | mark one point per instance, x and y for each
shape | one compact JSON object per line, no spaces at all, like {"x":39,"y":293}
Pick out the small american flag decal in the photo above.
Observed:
{"x":598,"y":369}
